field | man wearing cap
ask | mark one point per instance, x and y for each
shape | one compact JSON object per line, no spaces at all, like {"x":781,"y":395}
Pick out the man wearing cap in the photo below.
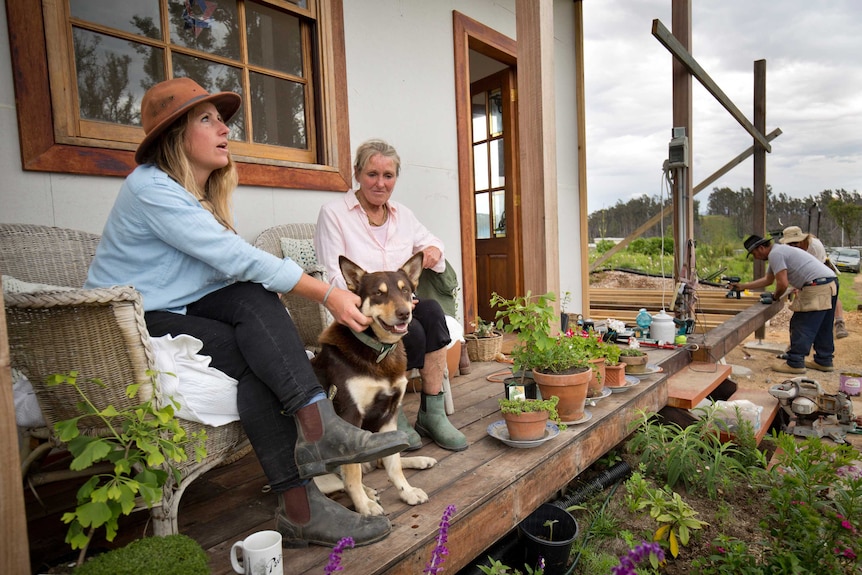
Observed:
{"x":813,"y":307}
{"x":794,"y":236}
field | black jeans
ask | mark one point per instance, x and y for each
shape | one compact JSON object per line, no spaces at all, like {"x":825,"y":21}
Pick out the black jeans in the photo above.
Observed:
{"x":427,"y":332}
{"x":251,"y":337}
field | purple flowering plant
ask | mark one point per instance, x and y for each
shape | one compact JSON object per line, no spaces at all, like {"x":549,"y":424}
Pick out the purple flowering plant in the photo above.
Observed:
{"x":636,"y":556}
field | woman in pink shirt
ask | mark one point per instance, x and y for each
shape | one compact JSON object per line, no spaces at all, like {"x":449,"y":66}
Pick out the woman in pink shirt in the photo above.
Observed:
{"x":367,"y":227}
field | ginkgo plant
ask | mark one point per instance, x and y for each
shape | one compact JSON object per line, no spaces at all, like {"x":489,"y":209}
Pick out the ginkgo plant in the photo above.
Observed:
{"x":142,"y":443}
{"x":675,"y":517}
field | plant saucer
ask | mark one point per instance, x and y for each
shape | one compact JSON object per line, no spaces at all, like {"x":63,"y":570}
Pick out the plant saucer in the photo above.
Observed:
{"x":587,"y":416}
{"x":606,"y":392}
{"x":498,"y":430}
{"x":650,"y":369}
{"x":631,"y":381}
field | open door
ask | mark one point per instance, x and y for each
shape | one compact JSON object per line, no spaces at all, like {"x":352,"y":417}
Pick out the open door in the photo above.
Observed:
{"x":494,"y":189}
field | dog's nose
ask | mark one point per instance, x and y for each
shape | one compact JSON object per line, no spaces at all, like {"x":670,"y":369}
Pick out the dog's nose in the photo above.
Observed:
{"x":403,"y":313}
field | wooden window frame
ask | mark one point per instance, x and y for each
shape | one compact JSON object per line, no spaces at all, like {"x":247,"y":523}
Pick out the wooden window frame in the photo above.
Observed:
{"x":40,"y":150}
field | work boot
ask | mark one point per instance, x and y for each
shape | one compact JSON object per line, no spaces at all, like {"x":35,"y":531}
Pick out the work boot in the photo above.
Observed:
{"x":782,"y":367}
{"x":811,"y":364}
{"x":326,"y":441}
{"x":306,"y":516}
{"x":840,"y":329}
{"x":415,"y":441}
{"x":431,"y":421}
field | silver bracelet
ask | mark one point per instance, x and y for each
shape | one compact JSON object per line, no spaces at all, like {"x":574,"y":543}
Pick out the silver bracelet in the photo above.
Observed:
{"x":329,"y":291}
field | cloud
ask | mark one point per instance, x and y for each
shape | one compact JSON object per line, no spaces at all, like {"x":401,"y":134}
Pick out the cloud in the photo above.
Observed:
{"x":813,"y":93}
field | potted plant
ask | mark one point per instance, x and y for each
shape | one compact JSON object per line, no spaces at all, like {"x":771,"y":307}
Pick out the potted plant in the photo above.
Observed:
{"x":485,"y":342}
{"x":634,"y":359}
{"x":548,"y":534}
{"x":559,"y":363}
{"x":526,"y":419}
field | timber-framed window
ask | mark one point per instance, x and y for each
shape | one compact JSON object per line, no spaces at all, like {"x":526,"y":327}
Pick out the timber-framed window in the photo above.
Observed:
{"x":285,"y":57}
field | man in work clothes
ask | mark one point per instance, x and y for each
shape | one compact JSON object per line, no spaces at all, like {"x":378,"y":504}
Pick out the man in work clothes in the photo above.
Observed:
{"x":813,"y":307}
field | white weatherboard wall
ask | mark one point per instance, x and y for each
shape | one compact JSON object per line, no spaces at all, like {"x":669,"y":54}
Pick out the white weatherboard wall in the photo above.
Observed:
{"x":400,"y":88}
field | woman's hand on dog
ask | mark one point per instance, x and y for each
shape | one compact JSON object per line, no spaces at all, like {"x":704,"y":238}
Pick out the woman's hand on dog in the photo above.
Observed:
{"x":344,"y":307}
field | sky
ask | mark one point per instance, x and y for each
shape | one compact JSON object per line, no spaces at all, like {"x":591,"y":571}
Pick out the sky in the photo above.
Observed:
{"x":813,"y":53}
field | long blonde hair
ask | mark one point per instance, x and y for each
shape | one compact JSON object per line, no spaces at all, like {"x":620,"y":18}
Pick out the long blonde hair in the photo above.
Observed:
{"x":169,"y":154}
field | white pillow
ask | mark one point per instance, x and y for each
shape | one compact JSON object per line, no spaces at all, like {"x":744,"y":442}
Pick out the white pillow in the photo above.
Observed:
{"x":303,"y":253}
{"x":14,"y":286}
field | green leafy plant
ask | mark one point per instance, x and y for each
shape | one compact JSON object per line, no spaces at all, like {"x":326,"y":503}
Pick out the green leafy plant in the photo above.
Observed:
{"x":531,"y":318}
{"x":170,"y":555}
{"x":141,"y":442}
{"x":631,"y":352}
{"x":675,"y":517}
{"x":482,"y":328}
{"x":518,"y":406}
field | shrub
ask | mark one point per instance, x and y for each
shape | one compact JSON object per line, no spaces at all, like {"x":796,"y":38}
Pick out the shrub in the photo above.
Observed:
{"x":171,"y":555}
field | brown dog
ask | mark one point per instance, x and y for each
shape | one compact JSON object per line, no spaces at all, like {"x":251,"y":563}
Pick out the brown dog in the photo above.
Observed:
{"x":365,"y":374}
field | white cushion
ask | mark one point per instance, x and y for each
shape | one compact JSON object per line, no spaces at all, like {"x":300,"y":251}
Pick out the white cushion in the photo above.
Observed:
{"x":14,"y":286}
{"x":303,"y":253}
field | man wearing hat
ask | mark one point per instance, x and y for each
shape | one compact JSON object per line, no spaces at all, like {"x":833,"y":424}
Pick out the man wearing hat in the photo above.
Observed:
{"x":794,"y":236}
{"x":813,"y":307}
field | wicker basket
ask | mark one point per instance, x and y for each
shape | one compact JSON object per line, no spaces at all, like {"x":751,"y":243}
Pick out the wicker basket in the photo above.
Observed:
{"x":483,"y":348}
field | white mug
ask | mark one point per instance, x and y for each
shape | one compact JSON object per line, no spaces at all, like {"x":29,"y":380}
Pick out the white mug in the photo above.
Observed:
{"x":261,"y":554}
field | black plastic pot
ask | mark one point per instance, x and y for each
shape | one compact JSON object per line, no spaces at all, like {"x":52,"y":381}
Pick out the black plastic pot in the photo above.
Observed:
{"x":534,"y":534}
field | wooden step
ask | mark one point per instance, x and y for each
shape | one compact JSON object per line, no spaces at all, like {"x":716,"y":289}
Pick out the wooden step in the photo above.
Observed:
{"x":760,"y":397}
{"x":687,"y":387}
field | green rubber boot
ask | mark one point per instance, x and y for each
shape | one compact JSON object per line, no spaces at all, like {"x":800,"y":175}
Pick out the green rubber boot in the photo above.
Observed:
{"x":431,"y":421}
{"x":413,"y":438}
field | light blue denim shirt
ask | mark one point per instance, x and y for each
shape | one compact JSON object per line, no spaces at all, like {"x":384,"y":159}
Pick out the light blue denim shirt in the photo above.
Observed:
{"x":159,"y":239}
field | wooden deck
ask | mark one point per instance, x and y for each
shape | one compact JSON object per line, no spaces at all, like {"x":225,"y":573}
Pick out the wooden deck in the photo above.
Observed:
{"x":492,"y":486}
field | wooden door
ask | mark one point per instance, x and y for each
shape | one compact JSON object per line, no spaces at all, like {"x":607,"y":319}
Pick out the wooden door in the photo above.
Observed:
{"x":495,"y":191}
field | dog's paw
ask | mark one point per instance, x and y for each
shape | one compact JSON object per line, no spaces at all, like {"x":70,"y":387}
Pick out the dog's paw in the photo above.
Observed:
{"x":418,"y":462}
{"x":369,"y":507}
{"x":413,"y":496}
{"x":370,"y":493}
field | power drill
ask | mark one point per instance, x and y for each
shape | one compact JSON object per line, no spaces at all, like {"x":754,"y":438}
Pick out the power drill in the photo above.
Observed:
{"x":733,"y":293}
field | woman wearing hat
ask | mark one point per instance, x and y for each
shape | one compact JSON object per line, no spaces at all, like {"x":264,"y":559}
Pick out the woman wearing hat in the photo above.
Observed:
{"x":813,"y":307}
{"x":170,"y":234}
{"x":793,"y":236}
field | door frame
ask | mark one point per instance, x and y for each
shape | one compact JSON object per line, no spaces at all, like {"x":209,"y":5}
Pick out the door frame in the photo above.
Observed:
{"x":471,"y":35}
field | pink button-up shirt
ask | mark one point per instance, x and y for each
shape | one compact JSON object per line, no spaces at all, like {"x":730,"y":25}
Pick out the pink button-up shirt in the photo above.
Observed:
{"x":343,"y":229}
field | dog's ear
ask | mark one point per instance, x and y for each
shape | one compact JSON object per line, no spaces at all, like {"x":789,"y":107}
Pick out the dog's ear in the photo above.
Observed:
{"x":413,"y":268}
{"x":352,"y":273}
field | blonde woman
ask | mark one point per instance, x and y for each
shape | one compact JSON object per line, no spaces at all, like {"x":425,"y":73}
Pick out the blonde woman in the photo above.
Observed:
{"x":170,"y":234}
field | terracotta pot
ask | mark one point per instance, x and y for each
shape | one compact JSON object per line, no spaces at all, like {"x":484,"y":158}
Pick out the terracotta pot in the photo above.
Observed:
{"x":615,"y":375}
{"x":598,"y":377}
{"x":527,"y":426}
{"x":570,"y":388}
{"x":634,"y":364}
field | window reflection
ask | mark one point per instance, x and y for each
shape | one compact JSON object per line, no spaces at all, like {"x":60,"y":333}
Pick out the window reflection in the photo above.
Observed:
{"x":278,"y":111}
{"x":133,"y":17}
{"x":211,"y":26}
{"x":499,"y":200}
{"x":483,"y":216}
{"x":274,"y":40}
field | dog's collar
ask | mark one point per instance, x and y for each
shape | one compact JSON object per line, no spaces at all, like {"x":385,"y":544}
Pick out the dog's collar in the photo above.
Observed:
{"x":381,"y":348}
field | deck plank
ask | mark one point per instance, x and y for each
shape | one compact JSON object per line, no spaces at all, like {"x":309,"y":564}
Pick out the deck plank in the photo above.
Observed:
{"x":688,"y":386}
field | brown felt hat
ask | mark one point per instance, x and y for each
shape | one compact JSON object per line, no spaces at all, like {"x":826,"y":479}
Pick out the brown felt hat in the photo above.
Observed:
{"x":167,"y":101}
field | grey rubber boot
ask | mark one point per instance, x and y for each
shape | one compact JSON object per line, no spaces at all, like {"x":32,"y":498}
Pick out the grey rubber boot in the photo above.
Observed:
{"x":327,"y":441}
{"x":415,"y":441}
{"x":305,"y":516}
{"x":431,"y":421}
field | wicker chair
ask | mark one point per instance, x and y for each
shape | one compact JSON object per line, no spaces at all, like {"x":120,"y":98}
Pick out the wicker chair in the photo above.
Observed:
{"x":310,"y":317}
{"x":101,"y":334}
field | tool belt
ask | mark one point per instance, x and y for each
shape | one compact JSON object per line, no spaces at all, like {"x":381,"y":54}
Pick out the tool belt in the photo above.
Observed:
{"x":815,"y":296}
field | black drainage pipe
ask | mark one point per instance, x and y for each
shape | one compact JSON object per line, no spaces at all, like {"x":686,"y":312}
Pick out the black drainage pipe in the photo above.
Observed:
{"x":616,"y":473}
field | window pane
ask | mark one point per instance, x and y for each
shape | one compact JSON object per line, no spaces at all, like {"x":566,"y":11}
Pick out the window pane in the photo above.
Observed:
{"x":278,"y":111}
{"x":483,"y":216}
{"x":274,"y":40}
{"x":499,"y":200}
{"x":480,"y":167}
{"x":480,"y":124}
{"x":214,"y":78}
{"x":113,"y":75}
{"x":495,"y":103}
{"x":210,"y":26}
{"x":140,"y":17}
{"x":498,"y":164}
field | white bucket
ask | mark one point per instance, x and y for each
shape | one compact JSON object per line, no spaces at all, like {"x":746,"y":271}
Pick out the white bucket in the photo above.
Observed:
{"x":850,"y":383}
